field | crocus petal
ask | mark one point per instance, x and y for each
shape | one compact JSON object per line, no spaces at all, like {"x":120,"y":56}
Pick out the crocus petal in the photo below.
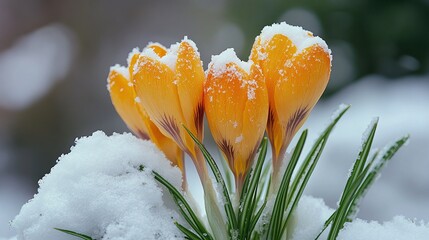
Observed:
{"x":236,"y":104}
{"x":169,"y":147}
{"x":160,"y":50}
{"x":190,"y":80}
{"x":154,"y":85}
{"x":127,"y":105}
{"x":304,"y":81}
{"x":296,"y":66}
{"x":124,"y":100}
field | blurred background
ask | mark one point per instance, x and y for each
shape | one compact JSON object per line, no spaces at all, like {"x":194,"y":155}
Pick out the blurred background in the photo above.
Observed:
{"x":55,"y":57}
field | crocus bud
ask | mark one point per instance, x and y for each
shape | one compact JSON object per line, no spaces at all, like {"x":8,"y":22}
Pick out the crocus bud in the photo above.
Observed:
{"x":127,"y":105}
{"x":236,"y":104}
{"x":296,"y":66}
{"x":170,"y":88}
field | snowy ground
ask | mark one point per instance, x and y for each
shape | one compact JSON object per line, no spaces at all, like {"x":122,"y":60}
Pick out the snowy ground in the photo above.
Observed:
{"x":403,"y":188}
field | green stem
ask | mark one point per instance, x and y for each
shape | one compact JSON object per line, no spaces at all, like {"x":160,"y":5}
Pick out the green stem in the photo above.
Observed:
{"x":213,"y":211}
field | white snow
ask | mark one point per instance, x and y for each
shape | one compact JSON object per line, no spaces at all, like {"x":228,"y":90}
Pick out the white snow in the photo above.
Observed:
{"x":133,"y":52}
{"x":121,"y":70}
{"x":399,"y":228}
{"x":308,"y":219}
{"x":311,"y":214}
{"x":154,"y":44}
{"x":218,"y":62}
{"x":34,"y":63}
{"x":98,"y":190}
{"x":339,"y":110}
{"x":170,"y":59}
{"x":365,"y":134}
{"x":149,"y":52}
{"x":14,"y":192}
{"x":301,"y":38}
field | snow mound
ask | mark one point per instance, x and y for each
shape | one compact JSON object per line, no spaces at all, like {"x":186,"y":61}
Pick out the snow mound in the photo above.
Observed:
{"x":399,"y":228}
{"x":308,"y":219}
{"x":98,"y":190}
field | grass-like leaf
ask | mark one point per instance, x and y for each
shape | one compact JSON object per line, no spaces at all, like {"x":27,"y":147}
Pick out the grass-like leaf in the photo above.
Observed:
{"x":246,"y":213}
{"x":185,"y":208}
{"x":188,"y":234}
{"x":306,"y":169}
{"x":357,"y":168}
{"x":78,"y":235}
{"x":265,"y":182}
{"x":276,"y":222}
{"x":361,"y":178}
{"x":232,"y":220}
{"x":355,"y":179}
{"x":229,"y":177}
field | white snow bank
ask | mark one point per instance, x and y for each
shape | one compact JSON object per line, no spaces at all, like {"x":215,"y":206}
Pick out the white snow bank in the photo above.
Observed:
{"x":312,"y":213}
{"x":308,"y":219}
{"x":399,"y":228}
{"x":14,"y":192}
{"x":98,"y":190}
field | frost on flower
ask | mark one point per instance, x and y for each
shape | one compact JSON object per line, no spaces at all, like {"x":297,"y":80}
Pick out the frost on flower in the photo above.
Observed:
{"x":97,"y":189}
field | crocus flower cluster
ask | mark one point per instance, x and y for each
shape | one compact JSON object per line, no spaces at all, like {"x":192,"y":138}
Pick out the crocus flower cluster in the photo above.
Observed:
{"x":163,"y":90}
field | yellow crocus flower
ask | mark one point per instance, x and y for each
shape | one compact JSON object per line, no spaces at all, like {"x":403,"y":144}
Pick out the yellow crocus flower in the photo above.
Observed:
{"x":127,"y":105}
{"x":296,"y":66}
{"x":236,"y":105}
{"x":170,"y":88}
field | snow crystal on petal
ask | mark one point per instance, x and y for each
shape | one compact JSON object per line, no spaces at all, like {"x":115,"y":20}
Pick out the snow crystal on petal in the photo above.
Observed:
{"x":149,"y":52}
{"x":192,"y":43}
{"x":219,"y":62}
{"x":301,"y":38}
{"x":170,"y":58}
{"x":133,"y":52}
{"x":121,"y":70}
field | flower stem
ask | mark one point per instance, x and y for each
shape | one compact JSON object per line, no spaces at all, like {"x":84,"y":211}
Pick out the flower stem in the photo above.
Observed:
{"x":213,"y":209}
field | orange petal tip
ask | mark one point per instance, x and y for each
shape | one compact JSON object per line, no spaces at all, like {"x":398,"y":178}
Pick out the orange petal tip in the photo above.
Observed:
{"x":133,"y":52}
{"x":170,"y":56}
{"x":116,"y":69}
{"x":301,"y":38}
{"x":158,"y":48}
{"x":221,"y":63}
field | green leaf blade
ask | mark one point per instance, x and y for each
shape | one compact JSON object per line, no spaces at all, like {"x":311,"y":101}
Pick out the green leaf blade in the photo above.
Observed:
{"x":78,"y":235}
